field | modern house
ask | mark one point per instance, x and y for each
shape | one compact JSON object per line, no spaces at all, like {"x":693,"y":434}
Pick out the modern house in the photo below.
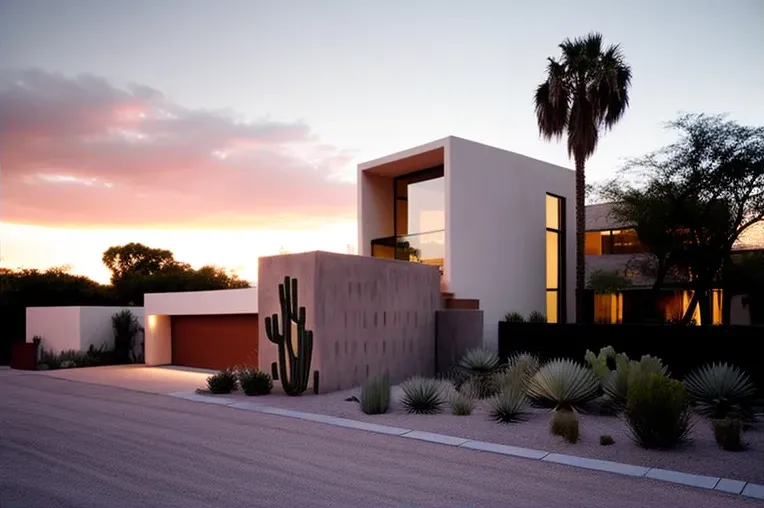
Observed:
{"x":613,"y":247}
{"x":499,"y":225}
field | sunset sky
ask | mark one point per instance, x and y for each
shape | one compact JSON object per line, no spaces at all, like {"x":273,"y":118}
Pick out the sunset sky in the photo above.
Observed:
{"x":229,"y":130}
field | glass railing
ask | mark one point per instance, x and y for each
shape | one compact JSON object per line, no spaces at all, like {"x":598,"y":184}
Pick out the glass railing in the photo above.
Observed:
{"x":428,"y":247}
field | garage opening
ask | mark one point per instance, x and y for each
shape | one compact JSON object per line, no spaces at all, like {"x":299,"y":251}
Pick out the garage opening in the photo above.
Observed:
{"x":214,"y":341}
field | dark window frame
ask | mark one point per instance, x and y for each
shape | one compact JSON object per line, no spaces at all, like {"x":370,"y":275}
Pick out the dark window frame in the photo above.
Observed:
{"x":560,"y":231}
{"x":422,"y":175}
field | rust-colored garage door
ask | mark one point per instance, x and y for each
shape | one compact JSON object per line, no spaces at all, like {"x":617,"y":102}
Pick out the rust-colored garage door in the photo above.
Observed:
{"x":214,"y":342}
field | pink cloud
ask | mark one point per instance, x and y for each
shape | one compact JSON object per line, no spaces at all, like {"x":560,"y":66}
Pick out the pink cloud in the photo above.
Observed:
{"x":81,"y":152}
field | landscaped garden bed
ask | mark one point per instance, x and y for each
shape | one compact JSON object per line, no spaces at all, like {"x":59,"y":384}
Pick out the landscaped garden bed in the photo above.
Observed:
{"x":687,"y":442}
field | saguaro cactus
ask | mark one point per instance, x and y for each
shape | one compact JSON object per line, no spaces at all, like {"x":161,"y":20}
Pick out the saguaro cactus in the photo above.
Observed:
{"x":294,"y":365}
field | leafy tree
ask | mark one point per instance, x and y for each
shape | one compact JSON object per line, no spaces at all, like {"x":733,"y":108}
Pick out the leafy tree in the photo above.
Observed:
{"x":694,"y":198}
{"x":136,"y":259}
{"x":586,"y":91}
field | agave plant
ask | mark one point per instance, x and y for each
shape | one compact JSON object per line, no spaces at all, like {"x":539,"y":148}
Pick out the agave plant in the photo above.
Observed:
{"x":422,"y":395}
{"x":720,"y":391}
{"x":563,"y":384}
{"x":478,"y":365}
{"x":508,"y":406}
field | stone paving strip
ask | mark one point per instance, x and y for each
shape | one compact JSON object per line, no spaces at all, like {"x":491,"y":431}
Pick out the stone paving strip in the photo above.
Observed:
{"x":727,"y":485}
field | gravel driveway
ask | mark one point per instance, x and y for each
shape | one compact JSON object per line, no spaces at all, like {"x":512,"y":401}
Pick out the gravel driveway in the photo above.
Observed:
{"x":66,"y":443}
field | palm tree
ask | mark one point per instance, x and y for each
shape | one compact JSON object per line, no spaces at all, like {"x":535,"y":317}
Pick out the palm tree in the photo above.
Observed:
{"x":585,"y":92}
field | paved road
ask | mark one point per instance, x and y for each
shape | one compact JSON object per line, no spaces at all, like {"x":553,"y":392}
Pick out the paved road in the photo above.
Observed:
{"x":70,"y":444}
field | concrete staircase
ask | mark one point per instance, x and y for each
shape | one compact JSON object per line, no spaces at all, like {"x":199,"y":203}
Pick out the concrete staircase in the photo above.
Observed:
{"x":449,"y":301}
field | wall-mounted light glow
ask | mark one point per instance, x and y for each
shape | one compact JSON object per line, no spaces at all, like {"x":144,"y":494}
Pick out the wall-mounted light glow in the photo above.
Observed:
{"x":152,"y":320}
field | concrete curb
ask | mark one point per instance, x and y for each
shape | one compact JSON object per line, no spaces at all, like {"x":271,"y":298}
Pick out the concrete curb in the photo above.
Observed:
{"x":726,"y":485}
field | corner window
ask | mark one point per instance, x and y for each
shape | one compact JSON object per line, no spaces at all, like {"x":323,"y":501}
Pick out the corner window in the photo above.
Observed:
{"x":555,"y":259}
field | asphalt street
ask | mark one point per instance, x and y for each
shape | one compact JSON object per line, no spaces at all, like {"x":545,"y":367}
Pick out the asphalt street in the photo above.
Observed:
{"x":71,"y":444}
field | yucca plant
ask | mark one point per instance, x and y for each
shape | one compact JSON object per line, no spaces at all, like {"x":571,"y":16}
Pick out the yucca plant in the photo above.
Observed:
{"x":519,"y":370}
{"x":564,"y":423}
{"x":422,"y":395}
{"x":375,"y":395}
{"x":727,"y":434}
{"x":563,"y":384}
{"x":508,"y":406}
{"x":720,"y":390}
{"x":462,"y":403}
{"x":479,"y":365}
{"x":222,"y":382}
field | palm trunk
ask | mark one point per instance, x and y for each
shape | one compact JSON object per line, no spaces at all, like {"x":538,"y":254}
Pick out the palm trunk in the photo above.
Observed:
{"x":580,"y":240}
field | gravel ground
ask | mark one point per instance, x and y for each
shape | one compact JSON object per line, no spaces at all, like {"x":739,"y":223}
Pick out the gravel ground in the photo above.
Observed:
{"x":701,"y":456}
{"x":71,"y":444}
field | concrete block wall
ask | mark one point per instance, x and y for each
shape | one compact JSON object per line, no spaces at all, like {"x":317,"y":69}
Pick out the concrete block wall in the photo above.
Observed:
{"x":368,"y":315}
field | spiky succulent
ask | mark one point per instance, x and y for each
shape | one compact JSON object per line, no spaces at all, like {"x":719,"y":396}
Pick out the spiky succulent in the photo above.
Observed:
{"x":616,"y":384}
{"x":478,"y":365}
{"x":563,"y":384}
{"x":462,"y":403}
{"x":422,"y":395}
{"x":222,"y":382}
{"x":508,"y":406}
{"x":721,"y":390}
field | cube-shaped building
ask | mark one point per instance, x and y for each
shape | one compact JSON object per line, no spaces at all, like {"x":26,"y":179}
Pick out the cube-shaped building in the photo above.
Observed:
{"x":499,"y":225}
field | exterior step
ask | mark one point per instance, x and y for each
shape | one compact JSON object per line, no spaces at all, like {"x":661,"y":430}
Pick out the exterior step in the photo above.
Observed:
{"x":462,"y":303}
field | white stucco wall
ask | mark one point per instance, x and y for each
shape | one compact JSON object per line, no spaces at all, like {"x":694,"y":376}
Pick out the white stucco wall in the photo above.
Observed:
{"x":496,"y":229}
{"x":63,"y":328}
{"x":159,"y":307}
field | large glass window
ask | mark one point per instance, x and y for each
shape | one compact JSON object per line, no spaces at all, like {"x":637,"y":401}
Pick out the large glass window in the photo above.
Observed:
{"x":555,"y":259}
{"x":617,"y":241}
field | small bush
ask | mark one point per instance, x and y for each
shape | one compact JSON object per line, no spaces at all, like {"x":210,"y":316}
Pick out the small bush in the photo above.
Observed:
{"x":462,"y":404}
{"x":222,"y":382}
{"x":253,"y":381}
{"x":563,"y":384}
{"x":606,"y":440}
{"x":657,"y":412}
{"x":514,"y":317}
{"x":508,"y":406}
{"x":536,"y":317}
{"x":721,"y":391}
{"x":422,"y":395}
{"x":375,"y":395}
{"x":565,"y":423}
{"x":727,"y":434}
{"x":616,"y":384}
{"x":478,"y":365}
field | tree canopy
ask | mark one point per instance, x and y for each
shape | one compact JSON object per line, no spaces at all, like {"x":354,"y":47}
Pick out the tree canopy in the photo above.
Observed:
{"x":691,"y":201}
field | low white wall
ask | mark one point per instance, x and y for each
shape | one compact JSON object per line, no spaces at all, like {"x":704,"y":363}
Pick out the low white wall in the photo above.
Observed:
{"x":63,"y":328}
{"x":159,"y":307}
{"x":59,"y":327}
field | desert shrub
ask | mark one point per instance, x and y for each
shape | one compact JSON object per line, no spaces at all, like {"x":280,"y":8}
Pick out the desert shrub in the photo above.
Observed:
{"x":563,"y":384}
{"x":254,"y":381}
{"x":727,"y":434}
{"x":514,"y":317}
{"x":536,"y":317}
{"x":519,"y":370}
{"x":720,"y":390}
{"x":375,"y":395}
{"x":616,"y":384}
{"x":657,"y":411}
{"x":606,"y":361}
{"x":606,"y":440}
{"x":462,"y":403}
{"x":508,"y":406}
{"x":479,"y":365}
{"x":422,"y":395}
{"x":222,"y":382}
{"x":126,"y":328}
{"x":564,"y":423}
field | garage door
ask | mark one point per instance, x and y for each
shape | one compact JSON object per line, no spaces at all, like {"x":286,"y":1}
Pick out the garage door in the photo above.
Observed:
{"x":214,"y":342}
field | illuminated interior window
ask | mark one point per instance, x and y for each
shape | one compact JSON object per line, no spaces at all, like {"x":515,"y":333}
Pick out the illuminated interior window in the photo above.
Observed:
{"x":555,"y":259}
{"x":608,"y":309}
